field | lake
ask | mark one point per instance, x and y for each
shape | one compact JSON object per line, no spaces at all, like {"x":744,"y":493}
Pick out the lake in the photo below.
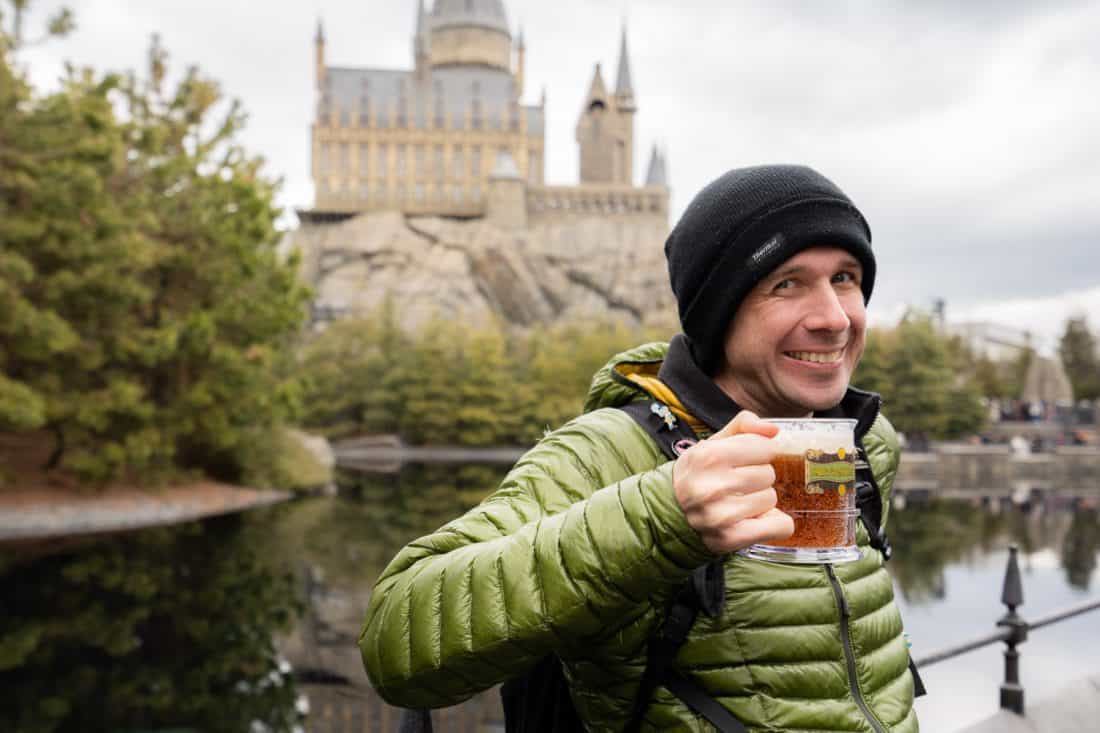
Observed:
{"x":948,"y":568}
{"x":132,"y":625}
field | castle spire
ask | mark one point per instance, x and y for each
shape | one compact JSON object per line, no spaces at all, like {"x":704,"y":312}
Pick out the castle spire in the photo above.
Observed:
{"x":657,"y":175}
{"x":420,"y":41}
{"x":624,"y":87}
{"x":597,"y":91}
{"x":320,"y":36}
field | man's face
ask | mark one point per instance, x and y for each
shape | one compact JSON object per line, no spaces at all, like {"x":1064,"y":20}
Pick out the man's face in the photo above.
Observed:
{"x":796,"y":339}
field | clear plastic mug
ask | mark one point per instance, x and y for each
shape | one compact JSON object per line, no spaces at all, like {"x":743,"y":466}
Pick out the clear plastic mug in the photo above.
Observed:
{"x":815,"y":476}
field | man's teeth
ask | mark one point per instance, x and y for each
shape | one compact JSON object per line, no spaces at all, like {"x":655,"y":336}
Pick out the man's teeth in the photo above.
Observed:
{"x":827,"y":357}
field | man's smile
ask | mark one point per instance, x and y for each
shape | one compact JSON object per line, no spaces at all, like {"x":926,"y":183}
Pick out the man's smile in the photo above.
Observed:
{"x":816,"y":357}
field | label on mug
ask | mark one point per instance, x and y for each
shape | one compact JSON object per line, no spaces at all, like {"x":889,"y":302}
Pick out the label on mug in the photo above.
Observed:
{"x":830,"y":471}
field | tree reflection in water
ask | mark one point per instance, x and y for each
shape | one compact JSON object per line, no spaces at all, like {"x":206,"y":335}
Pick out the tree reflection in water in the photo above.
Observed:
{"x":932,"y":535}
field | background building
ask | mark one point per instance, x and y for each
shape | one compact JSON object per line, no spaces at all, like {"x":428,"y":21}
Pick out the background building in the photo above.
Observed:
{"x":428,"y":140}
{"x":429,"y":188}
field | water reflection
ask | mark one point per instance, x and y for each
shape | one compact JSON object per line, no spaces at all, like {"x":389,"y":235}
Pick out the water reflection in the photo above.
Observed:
{"x":933,"y":535}
{"x":157,"y":629}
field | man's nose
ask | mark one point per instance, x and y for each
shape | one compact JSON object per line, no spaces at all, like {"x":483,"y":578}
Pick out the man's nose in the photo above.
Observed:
{"x":827,"y":312}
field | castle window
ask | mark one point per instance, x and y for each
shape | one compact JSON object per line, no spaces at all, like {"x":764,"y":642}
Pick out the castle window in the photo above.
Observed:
{"x":364,"y":111}
{"x":456,"y":193}
{"x":364,"y":190}
{"x":401,"y":161}
{"x":364,"y":159}
{"x":382,"y":169}
{"x":475,"y":161}
{"x":440,"y":168}
{"x":475,"y":194}
{"x":419,"y":161}
{"x":438,"y":101}
{"x":345,"y":116}
{"x":325,"y":162}
{"x":345,"y":162}
{"x":420,"y":192}
{"x":532,"y":166}
{"x":458,"y":164}
{"x":475,"y":114}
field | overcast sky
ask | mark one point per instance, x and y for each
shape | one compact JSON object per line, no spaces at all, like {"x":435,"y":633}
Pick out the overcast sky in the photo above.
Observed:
{"x":967,"y":132}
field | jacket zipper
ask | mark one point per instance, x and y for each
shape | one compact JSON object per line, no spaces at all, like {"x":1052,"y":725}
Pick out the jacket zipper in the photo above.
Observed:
{"x":849,"y":654}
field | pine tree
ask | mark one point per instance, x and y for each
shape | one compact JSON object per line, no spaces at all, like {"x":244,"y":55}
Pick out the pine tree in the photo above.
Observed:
{"x":1077,"y":348}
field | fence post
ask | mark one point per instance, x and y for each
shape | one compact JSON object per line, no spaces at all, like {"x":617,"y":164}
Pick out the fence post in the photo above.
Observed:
{"x":1012,"y":595}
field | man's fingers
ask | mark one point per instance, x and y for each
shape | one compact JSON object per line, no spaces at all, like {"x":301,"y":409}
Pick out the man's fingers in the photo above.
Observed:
{"x":745,"y":449}
{"x":747,"y":421}
{"x":770,"y":526}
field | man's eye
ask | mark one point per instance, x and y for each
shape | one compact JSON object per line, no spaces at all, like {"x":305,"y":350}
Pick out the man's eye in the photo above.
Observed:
{"x":844,"y":277}
{"x":784,"y":284}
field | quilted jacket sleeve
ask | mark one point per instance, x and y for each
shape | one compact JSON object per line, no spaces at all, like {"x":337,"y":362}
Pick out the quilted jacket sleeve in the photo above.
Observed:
{"x":581,"y":531}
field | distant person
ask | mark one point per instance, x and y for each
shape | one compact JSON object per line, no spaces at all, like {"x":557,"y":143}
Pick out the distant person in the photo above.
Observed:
{"x":572,"y":566}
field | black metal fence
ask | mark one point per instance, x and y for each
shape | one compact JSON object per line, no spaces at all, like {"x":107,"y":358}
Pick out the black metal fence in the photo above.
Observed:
{"x":1013,"y":632}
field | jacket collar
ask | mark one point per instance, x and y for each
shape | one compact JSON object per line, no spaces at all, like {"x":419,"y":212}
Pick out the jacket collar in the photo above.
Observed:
{"x":705,"y":400}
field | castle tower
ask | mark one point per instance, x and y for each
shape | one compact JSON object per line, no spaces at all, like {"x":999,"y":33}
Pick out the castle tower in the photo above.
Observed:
{"x":605,"y":130}
{"x":470,"y":33}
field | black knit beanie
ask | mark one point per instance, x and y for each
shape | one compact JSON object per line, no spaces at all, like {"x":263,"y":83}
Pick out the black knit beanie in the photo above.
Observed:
{"x":740,"y":228}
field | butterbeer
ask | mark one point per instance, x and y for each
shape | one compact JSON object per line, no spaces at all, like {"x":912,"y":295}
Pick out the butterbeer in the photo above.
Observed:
{"x":815,"y":485}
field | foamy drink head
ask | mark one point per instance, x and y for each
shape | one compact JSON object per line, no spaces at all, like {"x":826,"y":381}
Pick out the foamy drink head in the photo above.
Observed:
{"x":798,"y":436}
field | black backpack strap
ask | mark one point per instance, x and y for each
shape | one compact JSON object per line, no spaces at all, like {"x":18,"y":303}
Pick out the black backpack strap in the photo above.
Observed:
{"x":671,"y":434}
{"x":663,"y":647}
{"x":704,"y":591}
{"x":869,"y":503}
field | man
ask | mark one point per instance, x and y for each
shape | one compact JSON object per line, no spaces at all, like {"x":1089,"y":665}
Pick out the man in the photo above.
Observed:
{"x":582,"y":549}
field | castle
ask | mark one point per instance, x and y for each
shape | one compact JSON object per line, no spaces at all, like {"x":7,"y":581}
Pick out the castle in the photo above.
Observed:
{"x":430,"y":189}
{"x":452,"y":137}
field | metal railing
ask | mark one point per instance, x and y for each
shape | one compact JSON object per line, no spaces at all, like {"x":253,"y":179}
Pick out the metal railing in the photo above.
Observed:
{"x":1014,"y":632}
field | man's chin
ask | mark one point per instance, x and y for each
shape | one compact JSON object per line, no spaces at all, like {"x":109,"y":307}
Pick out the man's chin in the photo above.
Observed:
{"x":819,"y":400}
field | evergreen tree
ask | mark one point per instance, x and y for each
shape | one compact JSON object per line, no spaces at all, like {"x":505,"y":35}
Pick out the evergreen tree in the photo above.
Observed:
{"x":147,"y":310}
{"x":1077,"y":348}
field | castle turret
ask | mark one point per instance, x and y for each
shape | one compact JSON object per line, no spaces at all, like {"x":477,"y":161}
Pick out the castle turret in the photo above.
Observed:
{"x":657,"y":173}
{"x":507,"y":204}
{"x":521,"y":50}
{"x":605,"y":130}
{"x":319,"y":56}
{"x":625,"y":107}
{"x":470,"y":32}
{"x":421,"y":43}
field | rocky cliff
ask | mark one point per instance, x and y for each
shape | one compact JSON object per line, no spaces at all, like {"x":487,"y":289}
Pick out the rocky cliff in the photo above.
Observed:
{"x":608,"y":267}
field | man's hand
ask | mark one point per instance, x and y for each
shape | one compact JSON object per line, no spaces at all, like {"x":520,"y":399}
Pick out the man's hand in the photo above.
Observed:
{"x":724,"y":486}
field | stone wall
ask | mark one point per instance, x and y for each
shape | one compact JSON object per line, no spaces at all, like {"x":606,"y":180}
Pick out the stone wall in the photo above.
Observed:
{"x":557,"y":270}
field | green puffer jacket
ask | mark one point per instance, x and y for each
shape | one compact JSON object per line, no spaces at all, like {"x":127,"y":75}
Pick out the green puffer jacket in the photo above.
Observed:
{"x":579,"y":552}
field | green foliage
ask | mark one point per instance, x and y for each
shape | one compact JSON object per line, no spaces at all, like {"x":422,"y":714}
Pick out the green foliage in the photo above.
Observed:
{"x":162,"y":628}
{"x":924,"y":378}
{"x":1077,"y":348}
{"x":452,"y":383}
{"x":146,"y":310}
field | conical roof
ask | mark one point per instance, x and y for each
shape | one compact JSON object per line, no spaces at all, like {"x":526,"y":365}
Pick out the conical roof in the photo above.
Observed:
{"x":657,"y":175}
{"x":483,"y":13}
{"x":624,"y":87}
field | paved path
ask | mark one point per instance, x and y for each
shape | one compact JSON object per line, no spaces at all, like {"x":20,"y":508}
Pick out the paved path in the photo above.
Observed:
{"x":52,"y":513}
{"x":1076,"y":709}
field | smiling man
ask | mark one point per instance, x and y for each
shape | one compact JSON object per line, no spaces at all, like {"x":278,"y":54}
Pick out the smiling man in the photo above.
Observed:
{"x":602,"y":576}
